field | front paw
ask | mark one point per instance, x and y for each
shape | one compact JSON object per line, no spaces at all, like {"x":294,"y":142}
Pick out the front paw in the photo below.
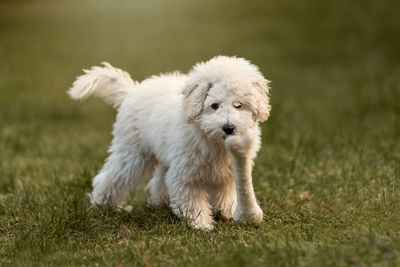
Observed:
{"x":240,"y":143}
{"x":202,"y":226}
{"x":200,"y":220}
{"x":155,"y":201}
{"x":227,"y":210}
{"x":248,"y":215}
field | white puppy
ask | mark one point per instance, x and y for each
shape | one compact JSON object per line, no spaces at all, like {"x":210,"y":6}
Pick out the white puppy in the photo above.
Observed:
{"x":199,"y":133}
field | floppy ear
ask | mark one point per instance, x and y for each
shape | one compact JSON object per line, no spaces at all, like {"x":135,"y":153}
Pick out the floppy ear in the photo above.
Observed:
{"x":195,"y":94}
{"x":262,"y":100}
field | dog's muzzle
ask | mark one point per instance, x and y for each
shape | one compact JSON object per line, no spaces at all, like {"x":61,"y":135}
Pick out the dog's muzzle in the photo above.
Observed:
{"x":229,"y":129}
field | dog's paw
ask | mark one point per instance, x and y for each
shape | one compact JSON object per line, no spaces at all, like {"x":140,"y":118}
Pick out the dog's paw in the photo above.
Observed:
{"x":226,"y":214}
{"x":155,"y":201}
{"x":205,"y":226}
{"x":202,"y":222}
{"x":227,"y":209}
{"x":253,"y":215}
{"x":240,"y":143}
{"x":128,"y":208}
{"x":99,"y":201}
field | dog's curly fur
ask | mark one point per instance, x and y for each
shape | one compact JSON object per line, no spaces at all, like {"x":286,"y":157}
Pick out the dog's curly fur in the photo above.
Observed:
{"x":198,"y":133}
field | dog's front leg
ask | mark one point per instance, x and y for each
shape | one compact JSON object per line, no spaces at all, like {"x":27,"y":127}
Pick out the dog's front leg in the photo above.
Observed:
{"x":247,"y":209}
{"x":189,"y":199}
{"x":223,"y":198}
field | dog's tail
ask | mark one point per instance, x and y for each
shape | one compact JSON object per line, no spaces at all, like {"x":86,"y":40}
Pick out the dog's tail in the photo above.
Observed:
{"x":109,"y":83}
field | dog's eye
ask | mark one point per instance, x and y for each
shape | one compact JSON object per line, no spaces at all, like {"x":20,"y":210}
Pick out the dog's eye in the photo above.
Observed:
{"x":215,"y":106}
{"x":237,"y":104}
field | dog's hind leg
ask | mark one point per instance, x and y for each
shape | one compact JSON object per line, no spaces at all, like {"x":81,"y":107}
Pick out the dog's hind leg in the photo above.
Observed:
{"x":156,"y":188}
{"x":124,"y":169}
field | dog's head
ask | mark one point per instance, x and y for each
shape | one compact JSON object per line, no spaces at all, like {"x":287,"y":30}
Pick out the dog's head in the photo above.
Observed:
{"x":226,"y":96}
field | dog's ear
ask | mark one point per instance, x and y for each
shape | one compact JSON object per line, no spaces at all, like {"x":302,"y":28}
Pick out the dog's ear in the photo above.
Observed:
{"x":262,"y":100}
{"x":195,"y":93}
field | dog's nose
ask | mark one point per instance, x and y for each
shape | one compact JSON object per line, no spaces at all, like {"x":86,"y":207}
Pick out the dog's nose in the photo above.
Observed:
{"x":229,"y":129}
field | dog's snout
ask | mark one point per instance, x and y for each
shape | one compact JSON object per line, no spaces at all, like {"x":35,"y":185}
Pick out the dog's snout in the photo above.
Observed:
{"x":228,"y":129}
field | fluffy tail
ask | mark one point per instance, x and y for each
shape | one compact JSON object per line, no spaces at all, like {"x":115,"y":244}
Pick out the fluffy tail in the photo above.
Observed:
{"x":109,"y":83}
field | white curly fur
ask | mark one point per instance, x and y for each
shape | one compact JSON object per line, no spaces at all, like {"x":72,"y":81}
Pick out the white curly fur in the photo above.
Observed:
{"x":109,"y":83}
{"x":166,"y":124}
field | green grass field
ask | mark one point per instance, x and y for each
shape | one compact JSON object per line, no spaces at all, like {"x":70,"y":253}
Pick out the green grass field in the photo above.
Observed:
{"x":328,"y":174}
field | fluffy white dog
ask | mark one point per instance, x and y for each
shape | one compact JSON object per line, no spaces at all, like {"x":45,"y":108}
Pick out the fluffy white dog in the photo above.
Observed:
{"x":199,"y":133}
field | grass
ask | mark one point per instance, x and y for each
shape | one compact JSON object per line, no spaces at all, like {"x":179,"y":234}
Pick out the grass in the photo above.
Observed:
{"x":328,"y":174}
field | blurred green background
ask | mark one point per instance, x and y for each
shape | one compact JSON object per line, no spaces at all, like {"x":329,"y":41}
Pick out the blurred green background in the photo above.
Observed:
{"x":327,"y":176}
